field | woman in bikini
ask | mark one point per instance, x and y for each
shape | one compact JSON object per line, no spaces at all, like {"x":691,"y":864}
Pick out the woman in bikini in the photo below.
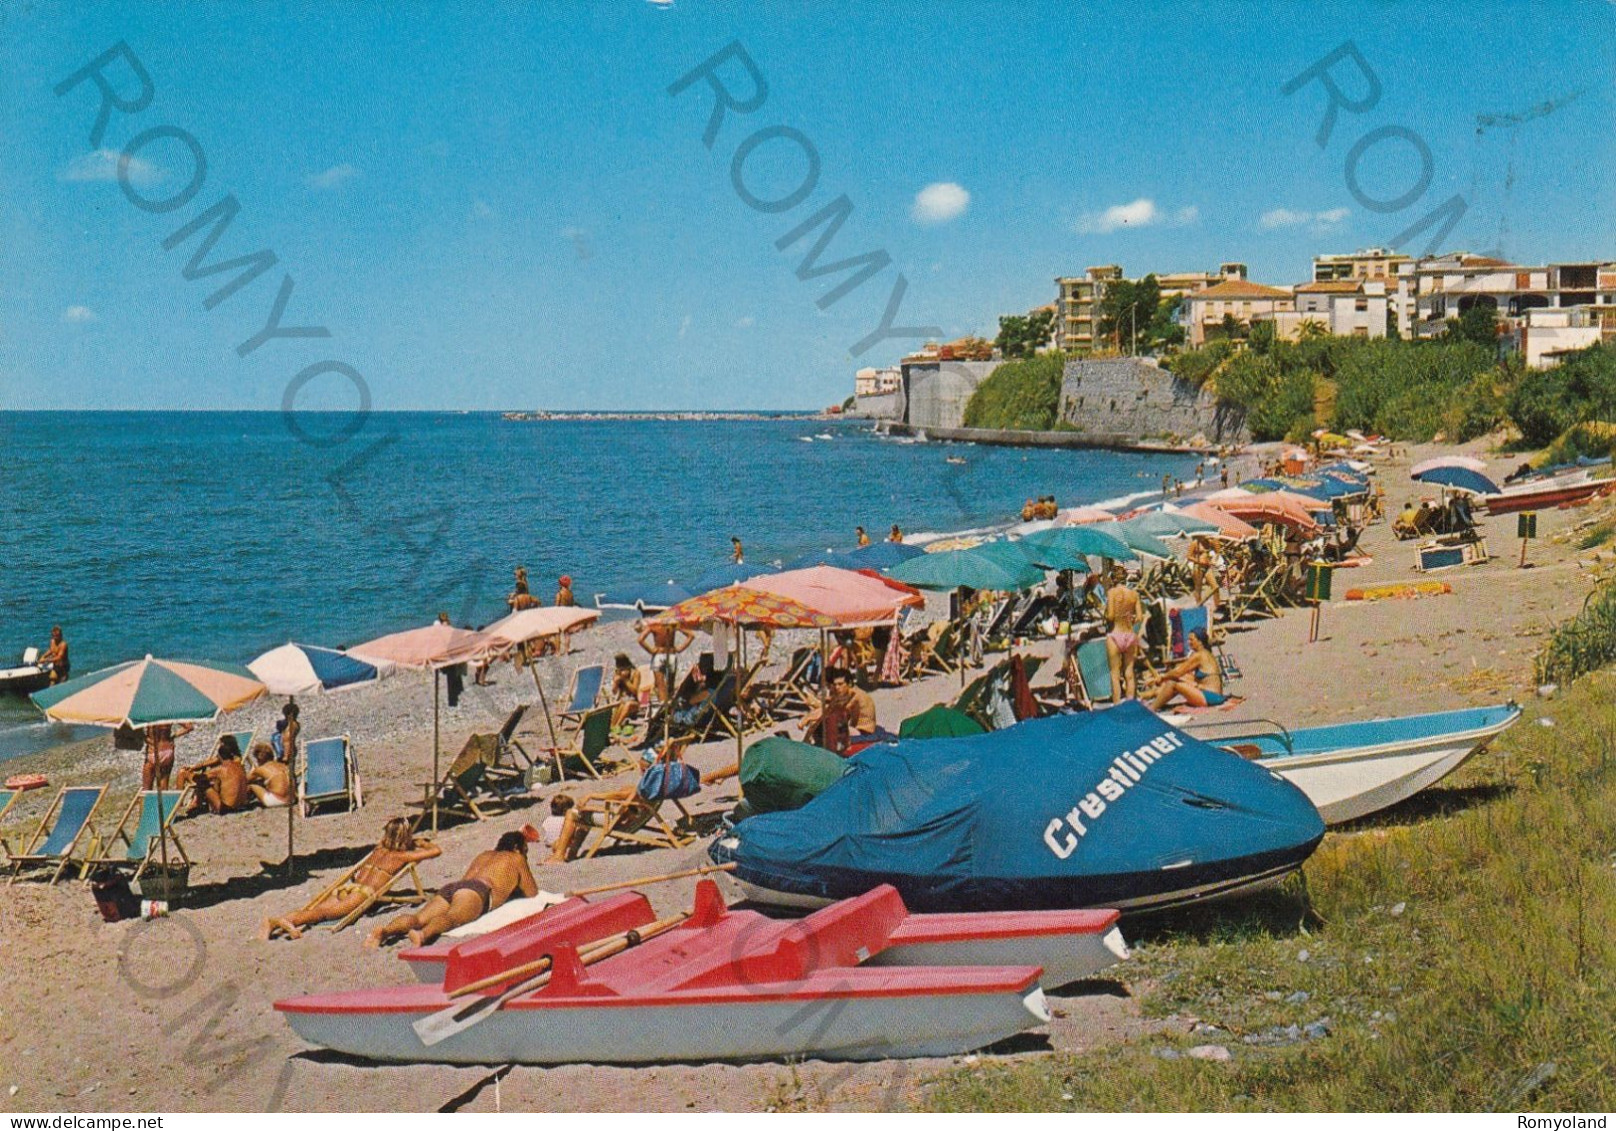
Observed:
{"x":1197,"y":678}
{"x":159,"y":760}
{"x":398,"y":849}
{"x":1123,"y":616}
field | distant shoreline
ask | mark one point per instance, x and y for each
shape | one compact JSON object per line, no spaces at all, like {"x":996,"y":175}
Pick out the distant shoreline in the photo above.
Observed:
{"x":692,"y":414}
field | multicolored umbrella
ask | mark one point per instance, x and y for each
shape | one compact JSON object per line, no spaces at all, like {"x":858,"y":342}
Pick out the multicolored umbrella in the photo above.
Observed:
{"x":302,"y":669}
{"x":747,"y":608}
{"x":150,"y":692}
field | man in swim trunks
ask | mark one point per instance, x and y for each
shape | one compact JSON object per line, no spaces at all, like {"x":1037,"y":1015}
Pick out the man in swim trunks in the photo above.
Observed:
{"x":896,"y":535}
{"x":270,"y":781}
{"x":737,"y":550}
{"x":397,"y":850}
{"x":493,"y":877}
{"x":1123,"y":616}
{"x":663,"y":643}
{"x":564,"y":598}
{"x":220,"y":781}
{"x":55,"y":656}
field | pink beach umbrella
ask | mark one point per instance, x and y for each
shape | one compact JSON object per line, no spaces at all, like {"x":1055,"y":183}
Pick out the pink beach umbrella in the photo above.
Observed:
{"x":1082,"y":516}
{"x":1228,"y":525}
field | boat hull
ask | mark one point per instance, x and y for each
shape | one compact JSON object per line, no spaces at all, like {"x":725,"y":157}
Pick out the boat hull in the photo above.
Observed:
{"x":1510,"y":502}
{"x":829,"y":1021}
{"x":24,"y":680}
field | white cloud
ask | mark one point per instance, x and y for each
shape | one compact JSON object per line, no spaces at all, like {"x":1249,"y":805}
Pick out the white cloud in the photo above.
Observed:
{"x":1291,"y":218}
{"x":744,"y":321}
{"x":78,"y":314}
{"x":939,"y":203}
{"x":333,"y":176}
{"x":1141,"y":213}
{"x":102,"y":165}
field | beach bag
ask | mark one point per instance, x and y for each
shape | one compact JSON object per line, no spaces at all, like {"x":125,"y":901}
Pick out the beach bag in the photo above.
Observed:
{"x":669,"y":781}
{"x":114,"y":898}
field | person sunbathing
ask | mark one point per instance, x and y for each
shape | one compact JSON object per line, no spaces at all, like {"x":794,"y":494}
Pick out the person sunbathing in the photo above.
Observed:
{"x":270,"y":781}
{"x":397,"y":849}
{"x":491,"y":879}
{"x":625,"y":692}
{"x":220,"y":781}
{"x":1197,"y":678}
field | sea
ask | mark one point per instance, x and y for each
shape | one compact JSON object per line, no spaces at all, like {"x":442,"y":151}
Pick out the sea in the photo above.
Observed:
{"x":219,"y":535}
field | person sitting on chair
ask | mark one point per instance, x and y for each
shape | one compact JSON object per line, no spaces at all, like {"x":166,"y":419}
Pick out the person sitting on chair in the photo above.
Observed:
{"x":625,"y":691}
{"x":493,"y":877}
{"x":566,"y":827}
{"x":848,"y":711}
{"x":397,"y":850}
{"x":1197,"y":678}
{"x":220,"y":781}
{"x":270,"y":781}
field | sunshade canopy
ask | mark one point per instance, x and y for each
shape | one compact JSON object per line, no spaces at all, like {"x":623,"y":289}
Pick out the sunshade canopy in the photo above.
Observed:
{"x":1460,"y":479}
{"x":1039,"y":554}
{"x":653,"y":596}
{"x":1098,"y":540}
{"x":150,"y":692}
{"x":747,"y":607}
{"x":1082,"y":516}
{"x":847,"y":596}
{"x":1228,"y":525}
{"x":883,"y":555}
{"x":967,"y":569}
{"x":436,"y":645}
{"x":1171,"y":524}
{"x":1140,"y":541}
{"x":1469,"y":462}
{"x":536,"y":624}
{"x":302,"y":669}
{"x":1278,"y":507}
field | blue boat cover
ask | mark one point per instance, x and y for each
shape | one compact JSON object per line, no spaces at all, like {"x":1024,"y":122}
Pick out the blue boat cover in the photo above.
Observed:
{"x":1099,"y":809}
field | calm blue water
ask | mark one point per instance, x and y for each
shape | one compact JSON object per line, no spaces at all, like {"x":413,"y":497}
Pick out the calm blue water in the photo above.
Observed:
{"x":220,"y":535}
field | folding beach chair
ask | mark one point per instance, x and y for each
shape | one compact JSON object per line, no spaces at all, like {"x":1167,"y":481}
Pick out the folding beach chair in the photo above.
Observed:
{"x":584,"y":693}
{"x":1262,"y":598}
{"x":788,"y":695}
{"x":1094,"y":672}
{"x":329,"y":775}
{"x":468,"y":788}
{"x":8,"y":798}
{"x":712,"y":715}
{"x":60,"y":832}
{"x":937,"y":650}
{"x":592,"y":739}
{"x":385,"y":897}
{"x":244,"y":741}
{"x":638,"y":819}
{"x":144,"y":846}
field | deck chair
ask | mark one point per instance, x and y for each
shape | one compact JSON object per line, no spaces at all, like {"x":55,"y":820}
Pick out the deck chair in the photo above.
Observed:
{"x":1261,"y":599}
{"x":936,"y":651}
{"x":60,"y":832}
{"x":8,"y":798}
{"x":713,"y":715}
{"x":1094,"y":672}
{"x":788,"y":695}
{"x":329,"y":775}
{"x":513,"y":756}
{"x":386,"y":897}
{"x":584,"y":692}
{"x":638,"y":819}
{"x":244,"y":741}
{"x":143,"y":847}
{"x":592,"y":739}
{"x":467,"y":787}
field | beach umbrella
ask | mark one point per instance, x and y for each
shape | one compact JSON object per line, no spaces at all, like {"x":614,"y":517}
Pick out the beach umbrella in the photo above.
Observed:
{"x":953,"y":542}
{"x":968,"y":569}
{"x":1171,"y":524}
{"x":1082,"y":516}
{"x":539,"y":623}
{"x":651,"y":597}
{"x":1276,"y":506}
{"x":1470,"y":463}
{"x":1228,"y":526}
{"x":302,"y":669}
{"x":1460,"y":479}
{"x":730,"y":573}
{"x":432,"y":648}
{"x":941,"y":721}
{"x":1142,"y":541}
{"x":150,"y":692}
{"x":1098,"y":540}
{"x":882,"y":555}
{"x":1045,"y":556}
{"x":849,"y":597}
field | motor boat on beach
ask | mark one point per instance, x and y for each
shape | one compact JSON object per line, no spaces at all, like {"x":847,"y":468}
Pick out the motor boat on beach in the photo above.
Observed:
{"x":25,"y":677}
{"x":1555,"y":487}
{"x":1350,"y":770}
{"x":720,"y":985}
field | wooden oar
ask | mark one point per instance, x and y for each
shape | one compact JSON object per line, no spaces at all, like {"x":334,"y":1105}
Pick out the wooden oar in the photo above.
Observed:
{"x":706,"y":869}
{"x":457,"y":1018}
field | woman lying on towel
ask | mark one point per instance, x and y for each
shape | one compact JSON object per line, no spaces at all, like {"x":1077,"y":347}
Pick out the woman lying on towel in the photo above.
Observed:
{"x":372,"y":876}
{"x":1197,"y":678}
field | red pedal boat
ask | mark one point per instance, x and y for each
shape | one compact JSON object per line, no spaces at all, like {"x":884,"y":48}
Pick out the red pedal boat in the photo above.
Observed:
{"x":722,"y":986}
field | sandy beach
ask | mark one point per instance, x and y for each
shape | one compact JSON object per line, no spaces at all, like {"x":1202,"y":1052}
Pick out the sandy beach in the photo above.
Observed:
{"x":176,"y":1013}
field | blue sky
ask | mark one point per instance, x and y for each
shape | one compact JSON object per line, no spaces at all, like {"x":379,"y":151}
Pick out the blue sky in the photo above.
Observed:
{"x":500,"y":206}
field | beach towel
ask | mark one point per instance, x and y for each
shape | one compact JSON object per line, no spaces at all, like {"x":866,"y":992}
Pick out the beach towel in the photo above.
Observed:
{"x":512,"y":911}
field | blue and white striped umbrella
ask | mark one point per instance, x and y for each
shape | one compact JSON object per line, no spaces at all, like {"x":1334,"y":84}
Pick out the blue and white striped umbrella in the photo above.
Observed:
{"x":301,"y":669}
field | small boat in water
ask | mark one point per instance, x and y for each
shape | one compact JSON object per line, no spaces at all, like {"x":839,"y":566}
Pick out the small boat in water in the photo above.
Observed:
{"x":27,"y":676}
{"x":1350,"y":770}
{"x":721,"y":986}
{"x":1113,"y":808}
{"x":1067,"y":945}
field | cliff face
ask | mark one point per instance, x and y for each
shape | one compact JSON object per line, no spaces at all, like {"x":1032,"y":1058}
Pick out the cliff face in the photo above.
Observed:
{"x":936,"y":392}
{"x":1135,"y":397}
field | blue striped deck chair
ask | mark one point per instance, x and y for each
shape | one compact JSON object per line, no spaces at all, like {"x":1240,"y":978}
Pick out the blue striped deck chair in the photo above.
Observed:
{"x":244,"y":739}
{"x":143,"y":847}
{"x":329,"y":775}
{"x":586,"y":684}
{"x":1094,"y":671}
{"x":60,"y":831}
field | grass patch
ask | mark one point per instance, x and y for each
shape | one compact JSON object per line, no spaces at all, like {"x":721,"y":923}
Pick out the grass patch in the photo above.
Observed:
{"x":1584,"y":643}
{"x":1458,"y":949}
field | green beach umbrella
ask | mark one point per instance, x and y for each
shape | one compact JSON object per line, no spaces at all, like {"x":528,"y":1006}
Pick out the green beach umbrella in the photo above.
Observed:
{"x":940,"y":721}
{"x":1047,"y":557}
{"x":1142,"y":541}
{"x":1170,"y":524}
{"x":1090,"y":539}
{"x":967,"y":569}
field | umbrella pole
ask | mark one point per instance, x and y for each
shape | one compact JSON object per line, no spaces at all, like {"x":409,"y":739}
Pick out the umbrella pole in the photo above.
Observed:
{"x":740,"y":688}
{"x":544,"y":703}
{"x":291,"y":773}
{"x":162,"y":823}
{"x":434,"y":752}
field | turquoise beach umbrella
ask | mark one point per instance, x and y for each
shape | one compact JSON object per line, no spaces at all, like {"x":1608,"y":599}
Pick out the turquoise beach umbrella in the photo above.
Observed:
{"x":1142,"y":541}
{"x":966,"y":569}
{"x":1084,"y":540}
{"x":1171,"y":524}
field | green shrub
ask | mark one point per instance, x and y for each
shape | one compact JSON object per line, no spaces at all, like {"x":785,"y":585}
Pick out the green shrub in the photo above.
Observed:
{"x":1584,"y":643}
{"x":1595,"y":439}
{"x":1021,"y":394}
{"x":1546,"y":402}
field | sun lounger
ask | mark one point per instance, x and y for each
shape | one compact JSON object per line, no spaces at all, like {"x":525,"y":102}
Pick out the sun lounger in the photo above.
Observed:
{"x":584,"y":692}
{"x":329,"y":775}
{"x":788,"y":695}
{"x":143,"y":847}
{"x":638,"y":819}
{"x":60,"y":833}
